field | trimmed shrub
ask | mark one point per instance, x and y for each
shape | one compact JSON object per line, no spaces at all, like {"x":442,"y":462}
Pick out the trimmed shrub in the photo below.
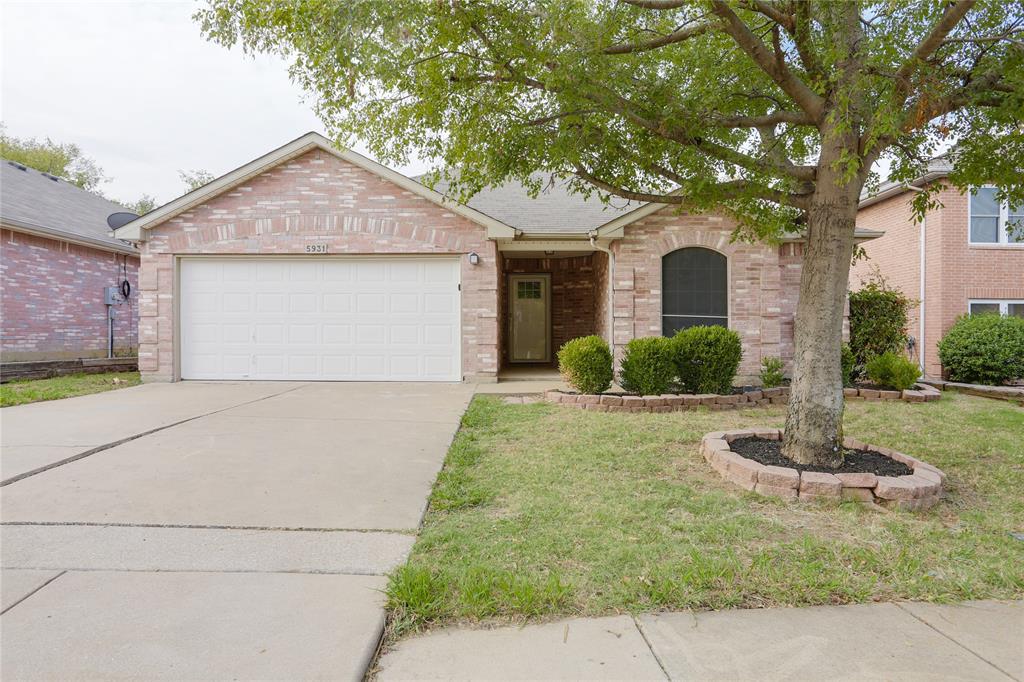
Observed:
{"x":771,"y":372}
{"x":984,"y":349}
{"x":849,"y":364}
{"x":893,"y":371}
{"x":586,"y":364}
{"x":878,"y":321}
{"x":648,"y":366}
{"x":707,"y":358}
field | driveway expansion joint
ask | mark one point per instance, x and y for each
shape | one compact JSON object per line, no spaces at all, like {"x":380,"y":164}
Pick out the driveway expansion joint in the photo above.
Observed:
{"x":954,"y":641}
{"x":300,"y":529}
{"x":650,"y":647}
{"x":122,"y":441}
{"x":33,"y":591}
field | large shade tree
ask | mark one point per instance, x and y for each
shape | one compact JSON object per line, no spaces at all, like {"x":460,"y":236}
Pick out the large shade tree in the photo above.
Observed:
{"x":773,"y":110}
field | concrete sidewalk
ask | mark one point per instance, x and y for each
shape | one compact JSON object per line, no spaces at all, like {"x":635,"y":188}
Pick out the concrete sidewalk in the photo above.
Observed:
{"x":905,"y":641}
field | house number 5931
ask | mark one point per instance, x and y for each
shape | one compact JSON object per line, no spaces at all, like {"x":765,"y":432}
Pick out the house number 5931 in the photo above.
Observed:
{"x":316,"y":248}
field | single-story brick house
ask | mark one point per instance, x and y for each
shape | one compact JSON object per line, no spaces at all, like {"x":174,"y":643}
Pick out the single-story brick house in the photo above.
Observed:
{"x":56,"y":260}
{"x":313,"y":262}
{"x":960,"y":259}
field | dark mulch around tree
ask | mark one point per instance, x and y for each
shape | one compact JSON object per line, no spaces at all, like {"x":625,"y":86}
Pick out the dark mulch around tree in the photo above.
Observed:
{"x":854,"y":461}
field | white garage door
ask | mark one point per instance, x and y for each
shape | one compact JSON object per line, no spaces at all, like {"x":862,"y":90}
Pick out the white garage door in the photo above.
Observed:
{"x":329,"y":319}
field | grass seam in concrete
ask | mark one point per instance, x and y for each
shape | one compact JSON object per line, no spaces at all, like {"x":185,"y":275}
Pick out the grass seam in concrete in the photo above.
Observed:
{"x":300,"y":529}
{"x":35,"y":590}
{"x":954,"y":641}
{"x":107,"y":446}
{"x":650,"y":647}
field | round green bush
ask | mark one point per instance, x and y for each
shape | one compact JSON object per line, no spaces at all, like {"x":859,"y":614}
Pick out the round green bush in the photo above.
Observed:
{"x":984,"y":349}
{"x":892,"y":371}
{"x":707,"y":358}
{"x":648,"y":366}
{"x":878,"y":321}
{"x":586,"y":364}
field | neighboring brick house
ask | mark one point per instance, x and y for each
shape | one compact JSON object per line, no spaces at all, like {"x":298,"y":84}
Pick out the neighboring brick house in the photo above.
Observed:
{"x":56,"y":259}
{"x":959,"y":259}
{"x":317,"y":263}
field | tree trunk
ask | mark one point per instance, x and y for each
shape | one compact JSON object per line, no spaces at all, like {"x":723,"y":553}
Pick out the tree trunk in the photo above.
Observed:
{"x":814,"y":424}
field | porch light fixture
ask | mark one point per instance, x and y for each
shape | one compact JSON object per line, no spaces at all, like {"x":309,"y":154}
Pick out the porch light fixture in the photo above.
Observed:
{"x":474,"y":259}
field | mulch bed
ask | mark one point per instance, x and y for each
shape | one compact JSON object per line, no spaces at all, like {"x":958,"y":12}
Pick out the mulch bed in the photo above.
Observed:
{"x":768,"y":452}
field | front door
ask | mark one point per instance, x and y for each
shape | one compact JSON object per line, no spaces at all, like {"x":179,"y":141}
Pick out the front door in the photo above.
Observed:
{"x":529,"y":303}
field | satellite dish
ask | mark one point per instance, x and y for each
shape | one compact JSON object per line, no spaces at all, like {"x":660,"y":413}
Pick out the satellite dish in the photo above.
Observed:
{"x":116,"y":220}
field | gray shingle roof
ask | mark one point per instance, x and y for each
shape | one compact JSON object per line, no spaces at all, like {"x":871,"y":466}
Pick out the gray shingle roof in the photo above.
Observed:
{"x":35,"y":201}
{"x":555,"y":210}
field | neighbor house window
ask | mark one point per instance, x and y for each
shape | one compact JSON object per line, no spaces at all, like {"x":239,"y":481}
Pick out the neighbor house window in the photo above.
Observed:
{"x":1015,"y":308}
{"x":695,"y":289}
{"x":990,"y":219}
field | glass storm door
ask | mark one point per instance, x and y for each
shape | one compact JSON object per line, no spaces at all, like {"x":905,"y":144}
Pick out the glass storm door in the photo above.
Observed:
{"x":529,"y":300}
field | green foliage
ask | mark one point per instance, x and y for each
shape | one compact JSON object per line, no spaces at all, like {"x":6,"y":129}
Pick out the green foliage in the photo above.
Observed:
{"x":194,"y":179}
{"x":506,"y":90}
{"x":22,"y":391}
{"x":892,"y":371}
{"x":648,"y":365}
{"x":64,"y":160}
{"x":849,"y":363}
{"x":878,"y":321}
{"x":142,"y":205}
{"x":586,"y":364}
{"x":984,"y":349}
{"x":707,"y":358}
{"x":771,"y":372}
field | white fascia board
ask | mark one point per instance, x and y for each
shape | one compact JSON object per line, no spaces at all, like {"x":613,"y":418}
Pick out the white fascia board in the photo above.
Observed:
{"x":135,"y":230}
{"x":532,"y":245}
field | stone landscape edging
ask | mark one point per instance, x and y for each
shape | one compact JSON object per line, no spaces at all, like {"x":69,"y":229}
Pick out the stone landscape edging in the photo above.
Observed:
{"x":678,"y":402}
{"x":919,"y":490}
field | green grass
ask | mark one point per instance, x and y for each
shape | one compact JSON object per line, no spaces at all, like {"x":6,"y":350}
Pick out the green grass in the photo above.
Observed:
{"x":543,"y":510}
{"x":34,"y":390}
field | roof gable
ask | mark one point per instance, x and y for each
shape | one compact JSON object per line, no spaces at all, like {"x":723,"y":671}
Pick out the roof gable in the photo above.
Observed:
{"x":136,"y":229}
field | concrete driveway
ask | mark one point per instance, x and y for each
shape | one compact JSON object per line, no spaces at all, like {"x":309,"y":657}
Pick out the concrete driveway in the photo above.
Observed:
{"x":211,"y":530}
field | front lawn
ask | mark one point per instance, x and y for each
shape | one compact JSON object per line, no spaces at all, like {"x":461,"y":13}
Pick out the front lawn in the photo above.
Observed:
{"x":546,"y":510}
{"x":34,"y":390}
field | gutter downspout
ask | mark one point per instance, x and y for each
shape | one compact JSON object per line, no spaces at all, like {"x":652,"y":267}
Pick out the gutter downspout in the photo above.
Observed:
{"x":611,"y":288}
{"x":922,"y":233}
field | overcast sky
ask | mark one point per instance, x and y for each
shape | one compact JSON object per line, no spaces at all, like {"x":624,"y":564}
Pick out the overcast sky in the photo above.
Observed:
{"x":135,"y":85}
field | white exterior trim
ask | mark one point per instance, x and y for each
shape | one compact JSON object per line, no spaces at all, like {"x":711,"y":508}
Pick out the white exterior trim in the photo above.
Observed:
{"x":70,"y":238}
{"x":135,"y":230}
{"x":1003,"y":303}
{"x":1002,"y":238}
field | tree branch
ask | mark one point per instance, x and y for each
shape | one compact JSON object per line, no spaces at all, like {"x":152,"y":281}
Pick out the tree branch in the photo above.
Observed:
{"x":772,"y":64}
{"x":773,"y":118}
{"x":676,"y":36}
{"x":954,"y":13}
{"x":657,"y":4}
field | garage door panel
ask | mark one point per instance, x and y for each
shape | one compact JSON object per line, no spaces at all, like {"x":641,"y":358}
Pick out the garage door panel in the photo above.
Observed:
{"x":320,"y":318}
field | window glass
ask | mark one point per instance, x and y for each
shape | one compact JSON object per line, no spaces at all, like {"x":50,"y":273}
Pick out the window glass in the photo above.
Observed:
{"x":1015,"y":309}
{"x":984,"y":215}
{"x":979,"y":308}
{"x":1015,"y":225}
{"x":695,"y":289}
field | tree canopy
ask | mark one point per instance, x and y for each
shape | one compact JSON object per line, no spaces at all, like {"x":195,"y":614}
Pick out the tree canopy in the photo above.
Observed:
{"x":63,"y":160}
{"x":707,"y":103}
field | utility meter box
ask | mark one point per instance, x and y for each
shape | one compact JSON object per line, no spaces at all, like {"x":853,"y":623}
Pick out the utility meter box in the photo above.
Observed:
{"x":112,"y":296}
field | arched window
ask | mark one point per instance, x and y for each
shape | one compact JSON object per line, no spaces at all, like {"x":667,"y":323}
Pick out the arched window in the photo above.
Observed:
{"x":695,"y":289}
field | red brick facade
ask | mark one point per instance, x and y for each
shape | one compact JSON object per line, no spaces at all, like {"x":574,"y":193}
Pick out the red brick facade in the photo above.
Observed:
{"x":320,"y":198}
{"x":764,"y":283}
{"x":51,"y":302}
{"x":573,"y":296}
{"x":956,"y":272}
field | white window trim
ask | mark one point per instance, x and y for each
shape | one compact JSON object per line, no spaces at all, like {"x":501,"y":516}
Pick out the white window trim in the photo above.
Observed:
{"x":1003,"y":303}
{"x":1003,"y":239}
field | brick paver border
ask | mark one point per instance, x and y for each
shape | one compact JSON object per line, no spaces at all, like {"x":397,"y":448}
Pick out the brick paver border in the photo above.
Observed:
{"x":919,"y":490}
